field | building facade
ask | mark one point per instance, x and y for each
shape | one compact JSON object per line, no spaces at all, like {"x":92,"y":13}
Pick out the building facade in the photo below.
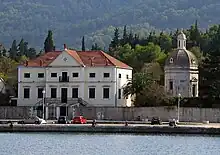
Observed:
{"x":181,"y":71}
{"x":62,"y":77}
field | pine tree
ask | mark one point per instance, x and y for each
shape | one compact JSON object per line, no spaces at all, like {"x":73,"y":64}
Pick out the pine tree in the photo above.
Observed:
{"x":83,"y":44}
{"x":13,"y":50}
{"x":49,"y":44}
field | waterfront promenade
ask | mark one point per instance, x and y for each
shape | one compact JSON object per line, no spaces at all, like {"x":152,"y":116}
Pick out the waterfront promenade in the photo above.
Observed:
{"x":210,"y":129}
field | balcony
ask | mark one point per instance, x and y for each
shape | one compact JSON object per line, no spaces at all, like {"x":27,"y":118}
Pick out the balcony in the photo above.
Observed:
{"x":64,"y":79}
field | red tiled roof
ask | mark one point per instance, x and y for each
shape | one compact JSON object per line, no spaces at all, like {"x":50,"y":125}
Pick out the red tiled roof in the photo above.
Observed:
{"x":43,"y":60}
{"x":87,"y":58}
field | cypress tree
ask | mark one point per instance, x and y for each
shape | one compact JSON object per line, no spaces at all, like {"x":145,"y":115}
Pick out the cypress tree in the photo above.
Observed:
{"x":13,"y":50}
{"x":49,"y":43}
{"x":21,"y":48}
{"x":125,"y":36}
{"x":83,"y":44}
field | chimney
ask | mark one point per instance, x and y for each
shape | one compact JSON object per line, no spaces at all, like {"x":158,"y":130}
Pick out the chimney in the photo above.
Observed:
{"x":65,"y":48}
{"x":92,"y":58}
{"x":41,"y":62}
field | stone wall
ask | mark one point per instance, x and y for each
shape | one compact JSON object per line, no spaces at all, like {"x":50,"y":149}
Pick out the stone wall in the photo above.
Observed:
{"x":111,"y":113}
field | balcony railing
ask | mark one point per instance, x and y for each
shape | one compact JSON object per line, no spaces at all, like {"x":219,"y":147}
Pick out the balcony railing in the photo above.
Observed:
{"x":64,"y":79}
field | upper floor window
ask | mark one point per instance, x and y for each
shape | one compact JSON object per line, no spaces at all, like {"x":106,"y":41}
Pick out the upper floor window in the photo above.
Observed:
{"x":27,"y":75}
{"x":127,"y":76}
{"x":75,"y":74}
{"x":106,"y":75}
{"x":119,"y":75}
{"x":53,"y":74}
{"x":40,"y":75}
{"x":91,"y":75}
{"x":26,"y":92}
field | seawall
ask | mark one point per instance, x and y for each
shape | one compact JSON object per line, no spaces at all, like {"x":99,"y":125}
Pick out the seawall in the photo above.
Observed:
{"x":147,"y":129}
{"x":123,"y":113}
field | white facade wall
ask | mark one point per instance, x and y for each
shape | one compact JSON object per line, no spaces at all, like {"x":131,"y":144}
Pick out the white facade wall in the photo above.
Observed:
{"x":83,"y":82}
{"x":181,"y":81}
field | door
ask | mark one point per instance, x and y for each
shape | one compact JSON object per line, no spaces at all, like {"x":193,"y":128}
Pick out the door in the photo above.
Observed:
{"x":64,"y":76}
{"x":63,"y":95}
{"x":63,"y":111}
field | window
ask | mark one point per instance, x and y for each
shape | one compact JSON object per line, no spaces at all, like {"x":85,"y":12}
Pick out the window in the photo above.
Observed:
{"x":171,"y":85}
{"x":40,"y":75}
{"x":40,"y":93}
{"x":27,"y":75}
{"x":53,"y":92}
{"x":74,"y":92}
{"x":105,"y":93}
{"x":194,"y":90}
{"x":106,"y":75}
{"x":119,"y":75}
{"x":179,"y":44}
{"x":26,"y":92}
{"x":119,"y":93}
{"x":127,"y":76}
{"x":91,"y":92}
{"x":53,"y":74}
{"x":75,"y":74}
{"x":92,"y":75}
{"x":171,"y":60}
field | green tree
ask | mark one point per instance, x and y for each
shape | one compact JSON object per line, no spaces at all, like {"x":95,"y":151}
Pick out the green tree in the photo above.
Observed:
{"x":95,"y":47}
{"x":165,"y":42}
{"x":83,"y":44}
{"x":49,"y":43}
{"x":125,"y":36}
{"x":13,"y":50}
{"x":195,"y":34}
{"x":211,"y":68}
{"x":21,"y":48}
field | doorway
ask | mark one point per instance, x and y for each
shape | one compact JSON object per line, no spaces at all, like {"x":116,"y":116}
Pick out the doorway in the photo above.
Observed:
{"x":63,"y":111}
{"x":63,"y":95}
{"x":64,"y":76}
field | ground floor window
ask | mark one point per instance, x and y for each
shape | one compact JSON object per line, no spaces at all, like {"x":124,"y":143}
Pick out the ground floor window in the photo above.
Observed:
{"x":74,"y":92}
{"x":105,"y":93}
{"x":92,"y":93}
{"x":26,"y":92}
{"x":53,"y":92}
{"x":119,"y":93}
{"x":40,"y":93}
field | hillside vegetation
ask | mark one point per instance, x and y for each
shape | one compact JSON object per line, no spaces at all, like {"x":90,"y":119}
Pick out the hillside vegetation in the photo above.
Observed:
{"x":71,"y":19}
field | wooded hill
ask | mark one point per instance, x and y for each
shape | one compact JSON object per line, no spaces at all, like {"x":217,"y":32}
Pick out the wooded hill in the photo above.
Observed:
{"x":71,"y":19}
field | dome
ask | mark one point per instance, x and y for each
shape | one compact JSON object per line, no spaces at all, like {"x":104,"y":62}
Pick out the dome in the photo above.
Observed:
{"x":181,"y":36}
{"x":181,"y":58}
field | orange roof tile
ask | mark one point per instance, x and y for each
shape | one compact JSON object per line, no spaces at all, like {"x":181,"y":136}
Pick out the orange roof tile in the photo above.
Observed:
{"x":87,"y":58}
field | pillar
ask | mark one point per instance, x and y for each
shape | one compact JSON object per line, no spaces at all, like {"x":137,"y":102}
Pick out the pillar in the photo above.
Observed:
{"x":46,"y":113}
{"x":58,"y":112}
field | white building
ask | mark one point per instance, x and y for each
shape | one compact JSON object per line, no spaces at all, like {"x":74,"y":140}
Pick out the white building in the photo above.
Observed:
{"x":94,"y":77}
{"x":181,"y":71}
